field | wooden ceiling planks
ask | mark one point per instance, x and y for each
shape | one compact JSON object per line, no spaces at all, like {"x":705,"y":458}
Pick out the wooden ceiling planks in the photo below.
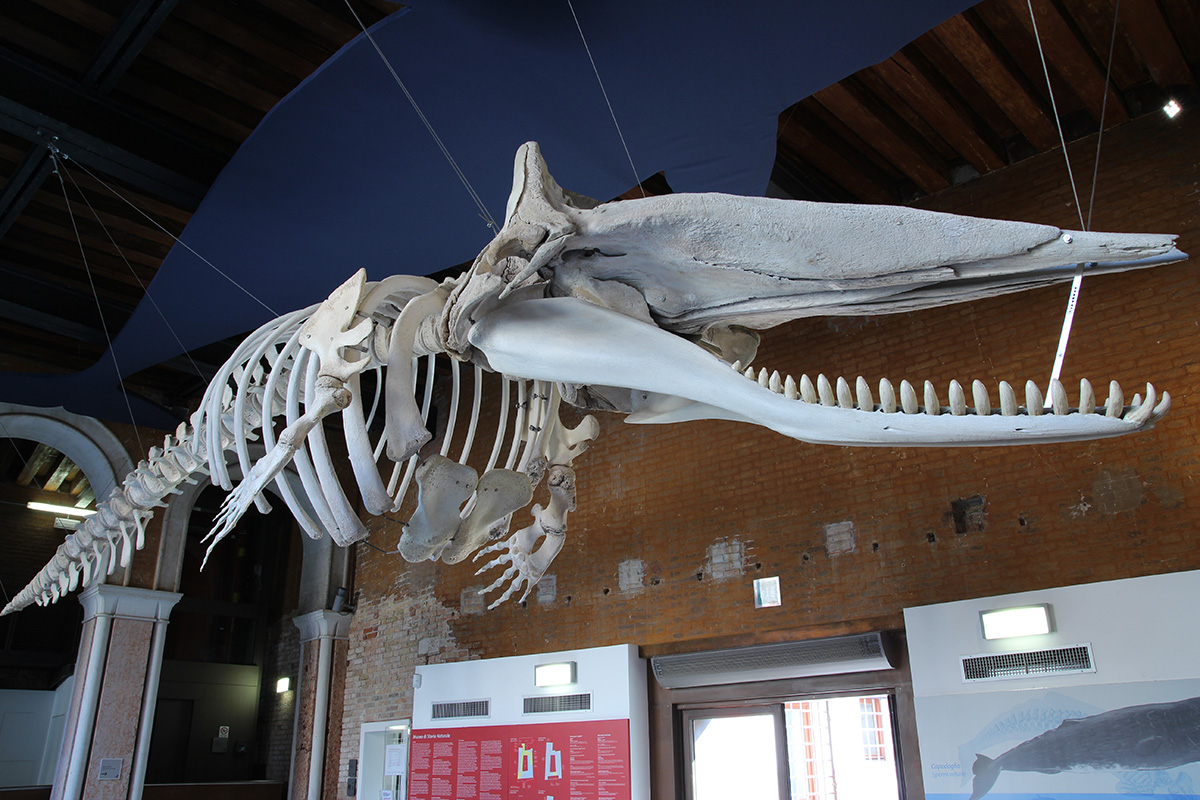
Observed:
{"x":1152,"y":35}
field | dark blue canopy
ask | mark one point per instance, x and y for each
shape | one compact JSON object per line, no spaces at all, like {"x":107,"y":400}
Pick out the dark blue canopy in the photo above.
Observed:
{"x":342,"y":173}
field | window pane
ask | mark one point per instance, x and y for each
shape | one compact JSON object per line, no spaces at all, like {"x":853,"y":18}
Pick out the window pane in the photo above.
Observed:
{"x":841,"y":749}
{"x":735,"y":757}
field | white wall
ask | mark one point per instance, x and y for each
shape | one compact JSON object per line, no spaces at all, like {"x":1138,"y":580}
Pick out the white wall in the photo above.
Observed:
{"x":1145,"y":641}
{"x":31,"y":730}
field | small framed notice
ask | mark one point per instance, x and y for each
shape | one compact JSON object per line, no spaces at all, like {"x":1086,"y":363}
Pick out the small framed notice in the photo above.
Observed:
{"x":766,"y":592}
{"x":394,"y":756}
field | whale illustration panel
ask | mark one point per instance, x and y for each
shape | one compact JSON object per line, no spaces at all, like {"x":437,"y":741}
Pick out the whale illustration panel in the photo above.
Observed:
{"x":1128,"y":740}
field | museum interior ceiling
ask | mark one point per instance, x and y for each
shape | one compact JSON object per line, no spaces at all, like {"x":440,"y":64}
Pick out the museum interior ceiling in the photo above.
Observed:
{"x":147,"y":101}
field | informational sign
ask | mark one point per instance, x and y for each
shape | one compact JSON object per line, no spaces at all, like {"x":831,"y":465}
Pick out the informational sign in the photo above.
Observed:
{"x":584,"y":760}
{"x":393,"y":759}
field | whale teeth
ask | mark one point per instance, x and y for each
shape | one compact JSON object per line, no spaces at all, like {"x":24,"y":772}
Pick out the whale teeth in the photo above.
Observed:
{"x":808,"y":392}
{"x":863,"y":390}
{"x":887,"y":396}
{"x":844,"y":398}
{"x":737,"y":366}
{"x":1087,"y":397}
{"x":841,"y":395}
{"x":1033,"y":399}
{"x":1008,"y":400}
{"x":933,"y":406}
{"x":1115,"y":404}
{"x":1142,"y":411}
{"x":1058,"y":398}
{"x":908,"y":398}
{"x":958,"y":400}
{"x":825,"y":391}
{"x":983,"y":403}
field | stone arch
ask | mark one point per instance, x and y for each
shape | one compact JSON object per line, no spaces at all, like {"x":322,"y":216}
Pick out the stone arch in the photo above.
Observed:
{"x":84,"y":440}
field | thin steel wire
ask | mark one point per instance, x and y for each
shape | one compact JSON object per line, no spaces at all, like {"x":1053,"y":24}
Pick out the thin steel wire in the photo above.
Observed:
{"x":483,"y":212}
{"x":603,"y":91}
{"x":132,"y":272}
{"x":177,"y":240}
{"x":58,"y":171}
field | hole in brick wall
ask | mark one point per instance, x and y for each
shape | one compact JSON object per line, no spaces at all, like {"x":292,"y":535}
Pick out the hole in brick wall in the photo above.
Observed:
{"x":568,"y":599}
{"x":655,"y":582}
{"x":969,"y":514}
{"x":874,"y":547}
{"x":806,"y":557}
{"x":929,"y":537}
{"x":1022,"y":521}
{"x":607,"y":590}
{"x":699,"y":576}
{"x":758,"y":565}
{"x":524,"y":604}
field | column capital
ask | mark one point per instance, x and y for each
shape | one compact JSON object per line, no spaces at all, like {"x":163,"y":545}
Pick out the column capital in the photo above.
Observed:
{"x":324,"y":625}
{"x":127,"y":602}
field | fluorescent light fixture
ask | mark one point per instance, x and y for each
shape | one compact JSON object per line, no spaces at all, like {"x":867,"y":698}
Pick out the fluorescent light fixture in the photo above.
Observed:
{"x":53,"y":509}
{"x":1172,"y":108}
{"x":397,"y":727}
{"x":560,"y":674}
{"x":1005,"y":623}
{"x":282,"y":685}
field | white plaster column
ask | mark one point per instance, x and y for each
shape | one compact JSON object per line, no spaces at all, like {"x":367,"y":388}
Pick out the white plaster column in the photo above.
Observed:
{"x":105,"y":608}
{"x":322,"y":627}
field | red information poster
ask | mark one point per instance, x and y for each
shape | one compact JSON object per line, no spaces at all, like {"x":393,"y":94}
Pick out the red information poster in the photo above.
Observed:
{"x":587,"y":760}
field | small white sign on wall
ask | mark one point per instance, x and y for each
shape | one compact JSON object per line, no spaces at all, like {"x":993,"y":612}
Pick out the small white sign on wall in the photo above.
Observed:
{"x":393,"y":759}
{"x":766,"y":592}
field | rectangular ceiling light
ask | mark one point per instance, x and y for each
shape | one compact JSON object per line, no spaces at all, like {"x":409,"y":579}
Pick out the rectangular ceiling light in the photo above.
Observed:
{"x":53,"y":509}
{"x":559,"y":674}
{"x":1005,"y":623}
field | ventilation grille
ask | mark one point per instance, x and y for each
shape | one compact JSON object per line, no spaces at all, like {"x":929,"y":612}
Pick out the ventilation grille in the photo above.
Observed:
{"x":462,"y":709}
{"x":1007,"y":666}
{"x":773,"y":661}
{"x":554,"y":703}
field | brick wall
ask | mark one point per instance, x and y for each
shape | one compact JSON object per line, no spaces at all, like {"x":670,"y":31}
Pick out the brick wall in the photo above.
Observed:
{"x":675,"y":522}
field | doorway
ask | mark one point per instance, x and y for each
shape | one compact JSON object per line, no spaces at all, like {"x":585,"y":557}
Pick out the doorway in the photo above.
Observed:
{"x":815,"y":748}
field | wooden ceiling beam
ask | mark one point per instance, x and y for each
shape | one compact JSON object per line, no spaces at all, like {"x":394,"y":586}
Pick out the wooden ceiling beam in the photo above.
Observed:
{"x":1072,"y":59}
{"x":902,"y":74}
{"x":798,"y":141}
{"x":991,"y":72}
{"x":43,"y":456}
{"x":934,"y":60}
{"x":1152,"y":35}
{"x":223,"y":27}
{"x":864,"y":115}
{"x":329,"y":28}
{"x":60,"y":474}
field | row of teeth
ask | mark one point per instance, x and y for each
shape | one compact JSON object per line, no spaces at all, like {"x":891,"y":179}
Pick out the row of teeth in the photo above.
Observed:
{"x":840,"y":395}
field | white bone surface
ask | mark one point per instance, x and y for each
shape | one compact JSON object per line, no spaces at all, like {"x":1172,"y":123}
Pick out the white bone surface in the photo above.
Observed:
{"x":640,"y":306}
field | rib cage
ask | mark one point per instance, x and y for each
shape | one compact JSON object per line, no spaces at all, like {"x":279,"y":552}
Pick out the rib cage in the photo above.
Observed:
{"x":271,"y":364}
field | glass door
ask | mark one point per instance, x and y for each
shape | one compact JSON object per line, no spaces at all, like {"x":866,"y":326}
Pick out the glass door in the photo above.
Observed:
{"x":736,"y":752}
{"x":820,"y":748}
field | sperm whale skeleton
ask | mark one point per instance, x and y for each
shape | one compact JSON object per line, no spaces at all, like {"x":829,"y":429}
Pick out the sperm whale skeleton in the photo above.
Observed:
{"x":646,"y":307}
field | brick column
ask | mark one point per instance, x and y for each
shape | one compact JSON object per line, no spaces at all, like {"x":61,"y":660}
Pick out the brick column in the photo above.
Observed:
{"x":104,"y":724}
{"x":318,"y":632}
